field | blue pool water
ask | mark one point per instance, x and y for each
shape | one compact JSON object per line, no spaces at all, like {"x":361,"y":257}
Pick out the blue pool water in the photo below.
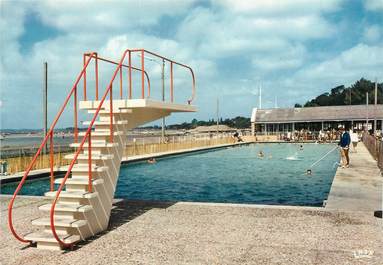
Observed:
{"x":235,"y":175}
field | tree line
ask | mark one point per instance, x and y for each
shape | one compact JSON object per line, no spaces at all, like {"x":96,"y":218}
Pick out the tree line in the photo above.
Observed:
{"x":352,"y":95}
{"x":237,"y":122}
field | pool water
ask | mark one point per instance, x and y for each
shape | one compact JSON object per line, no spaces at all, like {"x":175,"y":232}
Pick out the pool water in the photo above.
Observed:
{"x":234,"y":175}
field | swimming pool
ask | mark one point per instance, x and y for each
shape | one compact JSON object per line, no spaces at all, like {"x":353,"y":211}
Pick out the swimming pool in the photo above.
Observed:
{"x":234,"y":175}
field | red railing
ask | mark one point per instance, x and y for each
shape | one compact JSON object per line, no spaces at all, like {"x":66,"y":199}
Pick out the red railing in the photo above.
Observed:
{"x":172,"y":63}
{"x":50,"y":134}
{"x":144,"y":74}
{"x":87,"y":58}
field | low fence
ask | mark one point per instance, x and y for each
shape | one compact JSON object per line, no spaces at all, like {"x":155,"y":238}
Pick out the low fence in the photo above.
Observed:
{"x":139,"y":146}
{"x":177,"y":143}
{"x":17,"y":164}
{"x":375,"y":147}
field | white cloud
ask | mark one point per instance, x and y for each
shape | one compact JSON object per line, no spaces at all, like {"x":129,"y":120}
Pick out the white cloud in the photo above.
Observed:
{"x":276,"y":7}
{"x":359,"y":61}
{"x":373,"y":5}
{"x":225,"y":35}
{"x":224,"y":43}
{"x":100,"y":16}
{"x":372,"y":33}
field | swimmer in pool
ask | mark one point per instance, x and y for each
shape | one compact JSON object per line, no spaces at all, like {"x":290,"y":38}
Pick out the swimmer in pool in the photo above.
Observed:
{"x":309,"y":172}
{"x":152,"y":160}
{"x":261,"y":154}
{"x":301,"y":147}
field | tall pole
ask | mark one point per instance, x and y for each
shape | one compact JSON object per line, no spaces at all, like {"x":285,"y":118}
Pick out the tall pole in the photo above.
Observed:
{"x":260,"y":96}
{"x":376,"y":105}
{"x":366,"y":112}
{"x":163,"y":99}
{"x":217,"y":115}
{"x":45,"y":102}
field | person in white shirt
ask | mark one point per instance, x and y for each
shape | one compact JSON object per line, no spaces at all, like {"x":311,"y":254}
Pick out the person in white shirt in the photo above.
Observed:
{"x":354,"y":140}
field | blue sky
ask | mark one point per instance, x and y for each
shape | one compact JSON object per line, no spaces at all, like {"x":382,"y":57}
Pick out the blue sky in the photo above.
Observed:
{"x":295,"y":49}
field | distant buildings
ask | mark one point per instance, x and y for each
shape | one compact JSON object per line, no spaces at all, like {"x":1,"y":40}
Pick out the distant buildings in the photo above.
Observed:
{"x":279,"y":120}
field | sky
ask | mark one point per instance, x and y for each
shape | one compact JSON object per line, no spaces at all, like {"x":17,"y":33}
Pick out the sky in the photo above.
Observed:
{"x":294,"y":49}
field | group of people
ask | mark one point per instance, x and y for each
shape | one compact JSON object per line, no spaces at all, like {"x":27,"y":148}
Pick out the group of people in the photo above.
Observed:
{"x":322,"y":136}
{"x":302,"y":135}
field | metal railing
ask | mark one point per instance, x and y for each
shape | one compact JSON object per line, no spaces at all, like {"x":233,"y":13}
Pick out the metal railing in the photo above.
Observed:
{"x":375,"y":146}
{"x":49,"y":137}
{"x":172,"y":63}
{"x":87,"y":136}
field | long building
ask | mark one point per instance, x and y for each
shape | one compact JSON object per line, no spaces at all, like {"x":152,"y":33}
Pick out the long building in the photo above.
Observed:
{"x":279,"y":120}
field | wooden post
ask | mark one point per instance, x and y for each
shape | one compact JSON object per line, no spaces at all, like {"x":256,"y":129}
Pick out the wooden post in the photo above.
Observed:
{"x":376,"y":106}
{"x":45,"y":103}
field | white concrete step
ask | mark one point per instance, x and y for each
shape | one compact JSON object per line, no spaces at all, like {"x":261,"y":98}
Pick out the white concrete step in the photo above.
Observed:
{"x":85,"y":157}
{"x":73,"y":208}
{"x":72,"y":194}
{"x":59,"y":222}
{"x":85,"y":168}
{"x":115,"y":119}
{"x":103,"y":111}
{"x":95,"y":145}
{"x":94,"y":104}
{"x":103,"y":133}
{"x":48,"y":237}
{"x":78,"y":181}
{"x":123,"y":122}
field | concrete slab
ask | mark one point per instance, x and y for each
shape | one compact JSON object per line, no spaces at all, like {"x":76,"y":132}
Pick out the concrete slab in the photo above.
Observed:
{"x":198,"y":233}
{"x":359,"y":187}
{"x":138,"y":104}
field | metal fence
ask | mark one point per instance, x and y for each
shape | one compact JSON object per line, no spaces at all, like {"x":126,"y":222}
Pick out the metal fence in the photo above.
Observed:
{"x":139,"y":146}
{"x":375,"y":147}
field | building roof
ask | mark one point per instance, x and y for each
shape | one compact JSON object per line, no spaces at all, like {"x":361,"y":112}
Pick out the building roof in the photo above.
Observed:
{"x":317,"y":114}
{"x":213,"y":128}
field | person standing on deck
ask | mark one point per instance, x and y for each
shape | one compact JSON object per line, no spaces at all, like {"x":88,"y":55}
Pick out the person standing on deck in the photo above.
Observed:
{"x":344,"y":144}
{"x":354,"y":140}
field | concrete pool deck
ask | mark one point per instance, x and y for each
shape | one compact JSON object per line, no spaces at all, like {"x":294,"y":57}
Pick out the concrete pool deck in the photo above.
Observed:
{"x":203,"y":233}
{"x":141,"y":232}
{"x":359,"y":187}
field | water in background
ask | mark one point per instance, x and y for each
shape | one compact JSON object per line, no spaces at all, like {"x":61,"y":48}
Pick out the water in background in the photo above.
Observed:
{"x":235,"y":175}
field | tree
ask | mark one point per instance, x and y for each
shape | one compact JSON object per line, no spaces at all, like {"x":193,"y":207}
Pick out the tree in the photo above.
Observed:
{"x":355,"y":95}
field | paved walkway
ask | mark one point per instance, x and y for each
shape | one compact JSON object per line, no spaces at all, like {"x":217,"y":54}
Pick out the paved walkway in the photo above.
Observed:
{"x":359,"y":187}
{"x":196,"y":233}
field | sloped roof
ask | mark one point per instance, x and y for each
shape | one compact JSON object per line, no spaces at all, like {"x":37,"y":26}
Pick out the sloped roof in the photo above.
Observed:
{"x":312,"y":114}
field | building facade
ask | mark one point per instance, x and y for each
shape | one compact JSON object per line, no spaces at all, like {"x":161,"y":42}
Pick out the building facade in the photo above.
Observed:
{"x":315,"y":119}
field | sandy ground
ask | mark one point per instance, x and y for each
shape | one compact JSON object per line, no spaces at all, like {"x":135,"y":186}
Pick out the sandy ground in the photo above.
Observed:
{"x":193,"y":233}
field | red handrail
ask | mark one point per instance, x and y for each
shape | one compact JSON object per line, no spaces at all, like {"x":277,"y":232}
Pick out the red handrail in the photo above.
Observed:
{"x":88,"y":132}
{"x":50,"y":133}
{"x":143,"y":51}
{"x":129,"y":67}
